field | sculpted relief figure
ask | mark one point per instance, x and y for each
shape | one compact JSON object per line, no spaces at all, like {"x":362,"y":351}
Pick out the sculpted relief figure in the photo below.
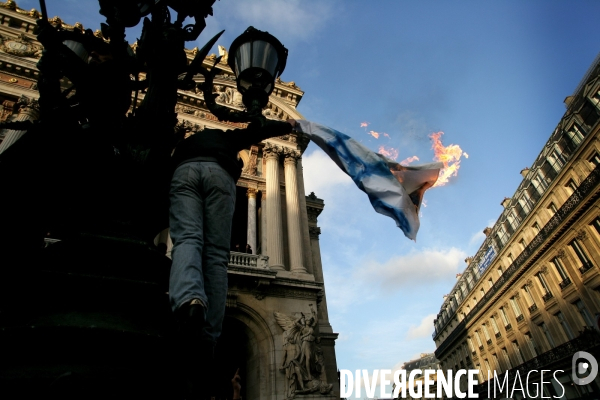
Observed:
{"x":302,"y":360}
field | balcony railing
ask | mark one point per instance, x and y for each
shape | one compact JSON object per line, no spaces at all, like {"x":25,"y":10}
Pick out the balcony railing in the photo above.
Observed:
{"x":585,"y":268}
{"x":520,"y":318}
{"x":587,"y":187}
{"x":489,"y":341}
{"x":547,"y":297}
{"x":533,"y":308}
{"x":566,"y":282}
{"x":498,"y":335}
{"x":508,"y":327}
{"x":248,"y":260}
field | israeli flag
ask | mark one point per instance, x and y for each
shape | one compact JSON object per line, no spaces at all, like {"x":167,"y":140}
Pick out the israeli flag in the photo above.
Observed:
{"x":394,"y":190}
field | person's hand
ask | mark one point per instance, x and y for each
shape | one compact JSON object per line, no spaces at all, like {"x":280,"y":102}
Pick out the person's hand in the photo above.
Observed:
{"x":292,"y":122}
{"x":237,"y":386}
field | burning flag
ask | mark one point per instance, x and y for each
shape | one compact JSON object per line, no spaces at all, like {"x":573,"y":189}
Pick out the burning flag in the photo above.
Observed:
{"x":449,"y":155}
{"x":408,"y":160}
{"x":393,"y":189}
{"x":388,"y":152}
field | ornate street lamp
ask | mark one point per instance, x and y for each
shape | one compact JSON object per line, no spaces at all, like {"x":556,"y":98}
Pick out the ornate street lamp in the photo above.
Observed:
{"x":257,"y":58}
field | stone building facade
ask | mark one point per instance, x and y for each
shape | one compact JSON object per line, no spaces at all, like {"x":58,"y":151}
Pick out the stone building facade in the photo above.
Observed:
{"x":530,"y":297}
{"x":276,"y":299}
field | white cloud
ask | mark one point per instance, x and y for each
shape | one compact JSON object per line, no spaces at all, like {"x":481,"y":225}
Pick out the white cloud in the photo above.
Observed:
{"x":424,"y":329}
{"x":414,"y":268}
{"x":477,"y":238}
{"x":412,"y":271}
{"x":323,"y":176}
{"x":288,"y":20}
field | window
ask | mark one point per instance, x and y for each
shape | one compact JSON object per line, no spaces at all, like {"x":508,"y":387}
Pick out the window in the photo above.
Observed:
{"x":502,"y":235}
{"x":470,"y":342}
{"x":487,"y":366}
{"x":543,"y":283}
{"x":496,"y":363}
{"x":515,"y":306}
{"x":547,"y":334}
{"x":559,"y":267}
{"x":547,"y":172}
{"x":517,"y":350}
{"x":504,"y":316}
{"x":513,"y":219}
{"x":556,"y":158}
{"x":530,"y":344}
{"x":506,"y":358}
{"x":488,"y":339}
{"x":478,"y":338}
{"x":525,"y":201}
{"x":510,"y":259}
{"x":565,"y":326}
{"x":469,"y":281}
{"x":529,"y":297}
{"x":494,"y":326}
{"x":581,"y":255}
{"x":539,"y":185}
{"x":552,"y":208}
{"x":520,"y":211}
{"x":585,"y":315}
{"x":575,"y":134}
{"x":594,"y":159}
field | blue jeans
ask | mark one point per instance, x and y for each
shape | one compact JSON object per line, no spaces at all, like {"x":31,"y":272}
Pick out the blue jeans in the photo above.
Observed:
{"x":202,"y":203}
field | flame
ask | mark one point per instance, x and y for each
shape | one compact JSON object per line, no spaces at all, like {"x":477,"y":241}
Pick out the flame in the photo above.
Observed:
{"x":374,"y":134}
{"x":388,"y":152}
{"x":364,"y":124}
{"x":450,"y":155}
{"x":408,"y":160}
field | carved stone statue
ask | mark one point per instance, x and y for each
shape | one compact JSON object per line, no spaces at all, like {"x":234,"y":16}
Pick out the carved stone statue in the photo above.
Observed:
{"x":302,"y":360}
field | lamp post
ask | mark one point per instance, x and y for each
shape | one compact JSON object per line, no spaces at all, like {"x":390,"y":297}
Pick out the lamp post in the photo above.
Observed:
{"x":257,"y":58}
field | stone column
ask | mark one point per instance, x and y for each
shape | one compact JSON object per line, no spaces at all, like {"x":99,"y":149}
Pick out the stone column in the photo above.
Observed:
{"x":304,"y":219}
{"x":293,"y":212}
{"x":28,"y":111}
{"x":263,"y":222}
{"x":274,"y":226}
{"x":251,"y":230}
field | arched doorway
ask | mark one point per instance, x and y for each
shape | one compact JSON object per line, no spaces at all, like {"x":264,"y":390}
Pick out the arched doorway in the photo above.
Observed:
{"x":231,"y":353}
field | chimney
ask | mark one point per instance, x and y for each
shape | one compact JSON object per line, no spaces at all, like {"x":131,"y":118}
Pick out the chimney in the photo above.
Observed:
{"x":487,"y":231}
{"x":568,"y":101}
{"x":505,"y":202}
{"x":524,"y":172}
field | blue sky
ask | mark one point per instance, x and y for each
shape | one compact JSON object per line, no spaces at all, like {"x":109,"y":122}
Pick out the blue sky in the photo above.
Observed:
{"x":491,"y":74}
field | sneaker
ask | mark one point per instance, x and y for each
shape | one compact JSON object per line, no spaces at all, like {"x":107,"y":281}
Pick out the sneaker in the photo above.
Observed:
{"x":191,"y":317}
